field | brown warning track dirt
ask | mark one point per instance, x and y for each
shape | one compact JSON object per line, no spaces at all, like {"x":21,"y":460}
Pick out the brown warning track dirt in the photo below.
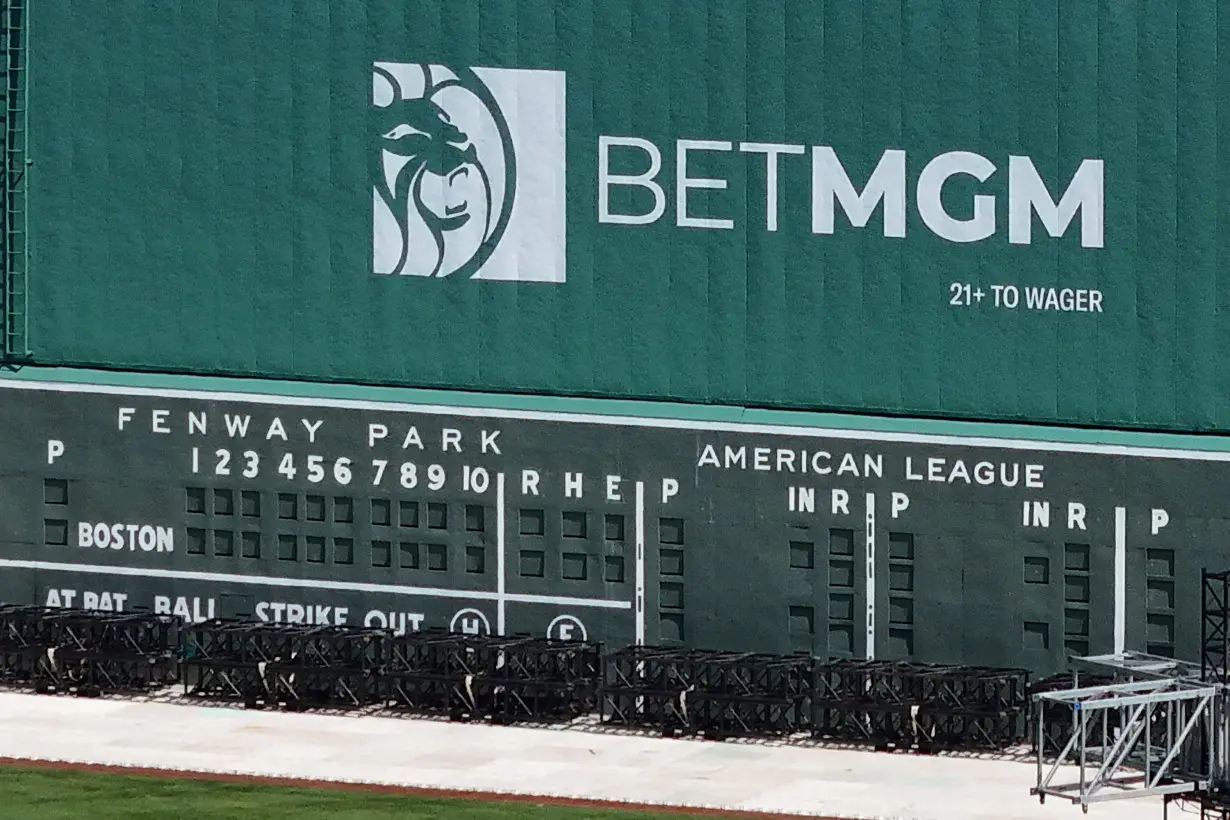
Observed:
{"x":256,"y":780}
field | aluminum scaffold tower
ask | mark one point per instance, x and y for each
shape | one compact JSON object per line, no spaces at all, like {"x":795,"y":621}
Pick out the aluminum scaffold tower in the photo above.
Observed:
{"x":1152,"y":726}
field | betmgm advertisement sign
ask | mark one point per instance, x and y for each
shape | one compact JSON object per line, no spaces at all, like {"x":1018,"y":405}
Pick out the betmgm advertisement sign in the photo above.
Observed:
{"x":470,"y":173}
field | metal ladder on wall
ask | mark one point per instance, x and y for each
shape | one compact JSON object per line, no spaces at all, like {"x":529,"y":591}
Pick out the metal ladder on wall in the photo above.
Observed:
{"x":14,"y":316}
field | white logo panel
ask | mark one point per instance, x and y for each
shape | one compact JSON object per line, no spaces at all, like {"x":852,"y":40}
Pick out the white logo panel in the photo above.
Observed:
{"x":469,"y":178}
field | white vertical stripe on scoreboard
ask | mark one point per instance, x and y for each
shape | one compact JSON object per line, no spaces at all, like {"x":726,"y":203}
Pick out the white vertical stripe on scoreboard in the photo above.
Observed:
{"x":870,"y":590}
{"x":638,"y":603}
{"x":1120,"y":579}
{"x":500,"y":537}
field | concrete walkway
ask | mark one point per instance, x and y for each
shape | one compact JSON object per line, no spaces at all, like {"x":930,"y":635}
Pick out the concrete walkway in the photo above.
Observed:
{"x":547,"y":762}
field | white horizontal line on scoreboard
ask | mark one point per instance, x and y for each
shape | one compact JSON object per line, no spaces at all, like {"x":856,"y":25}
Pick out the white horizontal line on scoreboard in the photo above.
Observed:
{"x":1041,"y":445}
{"x":309,"y":583}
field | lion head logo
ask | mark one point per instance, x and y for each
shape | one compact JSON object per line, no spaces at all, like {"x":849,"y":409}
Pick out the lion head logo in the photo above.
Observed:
{"x":444,"y":176}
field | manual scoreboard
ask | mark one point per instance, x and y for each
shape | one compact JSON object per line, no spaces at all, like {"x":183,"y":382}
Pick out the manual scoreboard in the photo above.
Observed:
{"x":613,"y":528}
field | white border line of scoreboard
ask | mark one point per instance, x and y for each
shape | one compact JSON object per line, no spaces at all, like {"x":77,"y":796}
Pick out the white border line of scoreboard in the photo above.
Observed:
{"x":310,"y":583}
{"x":1006,"y":443}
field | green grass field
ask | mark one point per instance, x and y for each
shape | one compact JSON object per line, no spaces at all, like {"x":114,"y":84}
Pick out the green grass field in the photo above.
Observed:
{"x":44,"y":794}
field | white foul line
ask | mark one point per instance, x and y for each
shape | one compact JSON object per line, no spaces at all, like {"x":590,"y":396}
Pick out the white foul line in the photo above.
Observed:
{"x":1120,"y":579}
{"x":640,"y":563}
{"x":871,"y":576}
{"x":501,"y":598}
{"x":308,"y":583}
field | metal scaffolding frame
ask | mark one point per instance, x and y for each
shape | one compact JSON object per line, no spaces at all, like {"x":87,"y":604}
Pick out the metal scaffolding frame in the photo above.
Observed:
{"x":1158,"y":748}
{"x":1214,"y":631}
{"x":1159,"y":729}
{"x":1126,"y":667}
{"x":1162,"y":727}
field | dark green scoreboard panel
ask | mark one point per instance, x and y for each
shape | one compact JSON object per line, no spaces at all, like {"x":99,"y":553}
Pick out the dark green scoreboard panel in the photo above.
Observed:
{"x":717,"y":536}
